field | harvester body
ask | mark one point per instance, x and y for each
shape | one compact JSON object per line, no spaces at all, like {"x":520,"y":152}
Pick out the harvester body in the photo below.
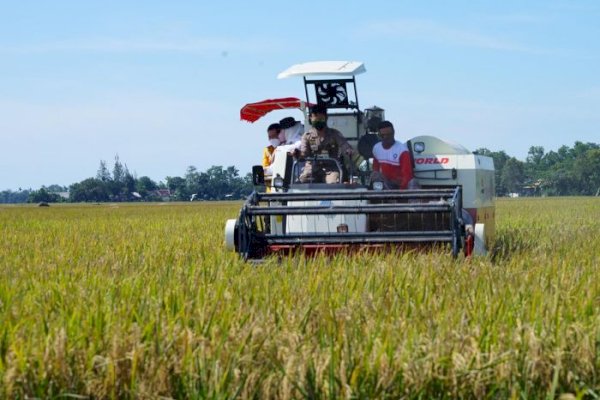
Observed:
{"x":451,"y":204}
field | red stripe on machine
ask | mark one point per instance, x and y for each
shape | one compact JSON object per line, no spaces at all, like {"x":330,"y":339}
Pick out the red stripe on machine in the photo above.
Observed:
{"x":432,"y":160}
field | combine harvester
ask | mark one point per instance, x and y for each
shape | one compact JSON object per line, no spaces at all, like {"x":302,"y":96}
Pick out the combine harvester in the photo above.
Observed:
{"x":453,"y":207}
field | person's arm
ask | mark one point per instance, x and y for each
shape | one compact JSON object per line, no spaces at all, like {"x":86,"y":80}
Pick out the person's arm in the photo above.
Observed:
{"x":305,"y":149}
{"x":376,"y":165}
{"x":266,"y":158}
{"x":342,"y":143}
{"x":406,"y":170}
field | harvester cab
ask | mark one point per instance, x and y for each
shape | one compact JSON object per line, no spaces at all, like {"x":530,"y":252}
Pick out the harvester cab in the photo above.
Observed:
{"x":452,"y":206}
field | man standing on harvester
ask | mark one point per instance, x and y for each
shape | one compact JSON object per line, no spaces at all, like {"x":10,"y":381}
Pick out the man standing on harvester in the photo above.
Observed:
{"x":391,"y":160}
{"x":322,"y":140}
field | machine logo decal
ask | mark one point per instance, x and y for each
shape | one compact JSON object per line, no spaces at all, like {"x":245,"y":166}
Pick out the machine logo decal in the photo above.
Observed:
{"x":432,"y":160}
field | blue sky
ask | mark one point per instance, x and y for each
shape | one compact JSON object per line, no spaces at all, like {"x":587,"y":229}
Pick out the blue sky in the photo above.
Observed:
{"x":161,"y":83}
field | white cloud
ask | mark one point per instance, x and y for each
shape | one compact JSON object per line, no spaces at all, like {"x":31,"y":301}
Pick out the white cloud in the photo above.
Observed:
{"x":202,"y":45}
{"x":517,"y":18}
{"x":591,"y":94}
{"x":575,"y":7}
{"x":431,"y":31}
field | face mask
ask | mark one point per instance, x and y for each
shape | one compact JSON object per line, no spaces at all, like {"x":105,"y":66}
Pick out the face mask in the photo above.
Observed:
{"x":318,"y":124}
{"x":274,"y":142}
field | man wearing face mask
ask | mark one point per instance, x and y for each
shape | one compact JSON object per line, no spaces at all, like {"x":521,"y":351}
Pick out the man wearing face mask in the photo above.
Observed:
{"x":391,"y":160}
{"x":322,"y":140}
{"x":273,"y":132}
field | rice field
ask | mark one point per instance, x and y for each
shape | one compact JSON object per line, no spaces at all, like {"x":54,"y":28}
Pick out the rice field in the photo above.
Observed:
{"x":142,"y":301}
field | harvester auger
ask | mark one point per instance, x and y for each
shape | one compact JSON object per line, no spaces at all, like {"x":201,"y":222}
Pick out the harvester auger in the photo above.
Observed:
{"x":453,"y":207}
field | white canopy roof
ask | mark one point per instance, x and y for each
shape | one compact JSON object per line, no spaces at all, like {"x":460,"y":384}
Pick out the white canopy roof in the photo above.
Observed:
{"x":347,"y":68}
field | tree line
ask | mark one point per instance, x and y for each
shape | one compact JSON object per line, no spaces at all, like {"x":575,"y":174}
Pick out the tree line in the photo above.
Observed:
{"x":567,"y":171}
{"x":216,"y":183}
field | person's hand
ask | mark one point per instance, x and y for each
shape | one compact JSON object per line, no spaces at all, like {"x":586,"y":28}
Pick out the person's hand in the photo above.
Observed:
{"x":377,"y":176}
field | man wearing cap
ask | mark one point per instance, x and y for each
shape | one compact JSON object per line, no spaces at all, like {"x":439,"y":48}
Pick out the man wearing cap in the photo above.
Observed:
{"x":391,"y":160}
{"x":291,"y":131}
{"x":322,"y":140}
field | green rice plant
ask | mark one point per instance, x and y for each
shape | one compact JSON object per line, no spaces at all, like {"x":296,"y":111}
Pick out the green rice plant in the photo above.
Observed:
{"x":143,"y":301}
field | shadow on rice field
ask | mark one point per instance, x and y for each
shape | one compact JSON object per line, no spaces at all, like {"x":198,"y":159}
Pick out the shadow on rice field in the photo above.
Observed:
{"x":508,"y":244}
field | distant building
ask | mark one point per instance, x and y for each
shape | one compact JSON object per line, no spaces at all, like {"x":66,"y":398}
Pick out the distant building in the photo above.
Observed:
{"x":163,"y":194}
{"x":532,"y":188}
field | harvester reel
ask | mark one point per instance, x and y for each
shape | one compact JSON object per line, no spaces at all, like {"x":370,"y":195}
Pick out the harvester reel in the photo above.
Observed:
{"x":242,"y":234}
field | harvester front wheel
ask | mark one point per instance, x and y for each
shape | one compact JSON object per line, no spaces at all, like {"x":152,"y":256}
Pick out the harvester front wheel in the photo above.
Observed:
{"x":231,"y":234}
{"x":479,"y":242}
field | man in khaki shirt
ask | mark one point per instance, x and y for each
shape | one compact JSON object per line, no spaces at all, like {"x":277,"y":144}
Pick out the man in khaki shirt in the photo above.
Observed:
{"x":322,"y":140}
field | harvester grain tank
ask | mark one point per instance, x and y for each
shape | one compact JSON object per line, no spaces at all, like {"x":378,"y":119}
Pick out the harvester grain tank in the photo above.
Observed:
{"x":451,"y":207}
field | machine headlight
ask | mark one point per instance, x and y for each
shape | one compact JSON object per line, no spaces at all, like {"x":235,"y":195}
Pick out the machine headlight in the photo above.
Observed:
{"x":278,"y":181}
{"x":377,"y":185}
{"x":419,"y":147}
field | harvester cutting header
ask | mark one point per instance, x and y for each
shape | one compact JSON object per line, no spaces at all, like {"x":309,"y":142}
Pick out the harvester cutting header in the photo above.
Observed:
{"x":330,"y":192}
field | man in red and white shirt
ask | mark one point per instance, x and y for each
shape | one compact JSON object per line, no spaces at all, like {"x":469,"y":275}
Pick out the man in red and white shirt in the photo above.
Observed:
{"x":391,"y":160}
